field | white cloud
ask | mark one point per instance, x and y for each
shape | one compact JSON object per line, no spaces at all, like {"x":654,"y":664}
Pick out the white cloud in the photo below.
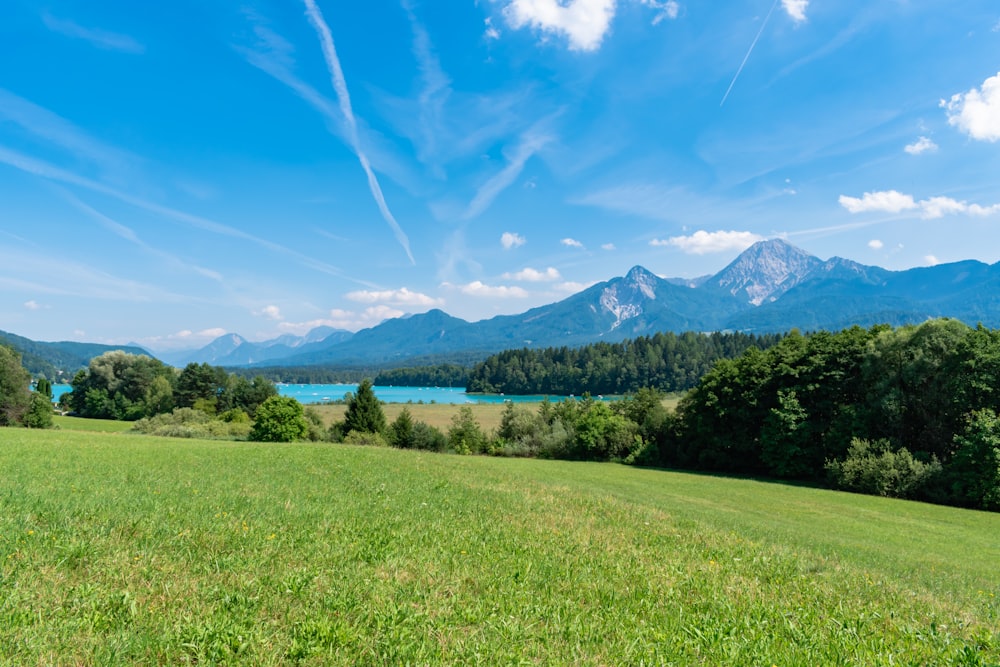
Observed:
{"x":32,"y":305}
{"x":270,"y":312}
{"x":572,"y":243}
{"x":102,"y":39}
{"x":875,"y":244}
{"x":607,"y":246}
{"x":931,"y":260}
{"x":534,"y":275}
{"x":921,"y":145}
{"x":344,"y":319}
{"x":796,"y":9}
{"x":702,"y":242}
{"x":399,"y":297}
{"x":477,"y":288}
{"x":977,"y":112}
{"x":583,"y":22}
{"x":491,"y":31}
{"x":887,"y":201}
{"x":511,"y":240}
{"x":571,"y":287}
{"x":665,"y":10}
{"x":891,"y":201}
{"x":211,"y":333}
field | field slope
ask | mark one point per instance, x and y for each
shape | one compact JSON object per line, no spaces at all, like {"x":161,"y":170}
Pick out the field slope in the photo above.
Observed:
{"x":122,"y":549}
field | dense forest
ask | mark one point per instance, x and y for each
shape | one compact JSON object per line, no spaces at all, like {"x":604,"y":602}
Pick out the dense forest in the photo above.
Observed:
{"x":908,"y":412}
{"x":444,"y":375}
{"x":665,"y":361}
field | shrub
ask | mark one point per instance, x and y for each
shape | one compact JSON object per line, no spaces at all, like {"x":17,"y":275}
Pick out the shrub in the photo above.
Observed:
{"x":465,"y":435}
{"x":279,"y":419}
{"x":365,"y":438}
{"x":193,"y":423}
{"x":874,"y":468}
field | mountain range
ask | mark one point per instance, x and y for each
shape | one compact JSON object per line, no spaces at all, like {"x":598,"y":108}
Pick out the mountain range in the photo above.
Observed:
{"x":772,"y":286}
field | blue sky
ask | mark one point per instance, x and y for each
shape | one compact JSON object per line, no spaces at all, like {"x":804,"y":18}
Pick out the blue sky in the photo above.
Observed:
{"x":173,"y":171}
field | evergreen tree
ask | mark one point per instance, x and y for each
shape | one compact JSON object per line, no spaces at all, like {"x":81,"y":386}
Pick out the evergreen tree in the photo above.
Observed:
{"x":402,"y":433}
{"x":364,"y":411}
{"x":15,"y":397}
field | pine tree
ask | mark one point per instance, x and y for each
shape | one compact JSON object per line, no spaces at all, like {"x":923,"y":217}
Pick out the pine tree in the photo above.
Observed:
{"x":364,"y":411}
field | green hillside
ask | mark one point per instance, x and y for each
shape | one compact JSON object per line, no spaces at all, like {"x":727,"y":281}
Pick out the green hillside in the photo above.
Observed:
{"x":123,"y":549}
{"x":58,"y":361}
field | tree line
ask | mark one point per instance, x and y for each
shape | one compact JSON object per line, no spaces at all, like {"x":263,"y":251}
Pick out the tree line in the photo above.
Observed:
{"x":442,"y":375}
{"x":908,"y":412}
{"x":665,"y":361}
{"x":129,"y":387}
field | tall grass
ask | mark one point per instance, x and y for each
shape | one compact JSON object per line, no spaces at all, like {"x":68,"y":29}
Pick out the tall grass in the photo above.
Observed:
{"x":119,"y":549}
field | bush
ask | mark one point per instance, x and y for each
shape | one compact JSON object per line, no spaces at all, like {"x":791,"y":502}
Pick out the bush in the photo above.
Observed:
{"x":39,"y":414}
{"x":874,"y":468}
{"x":193,"y":423}
{"x":279,"y":419}
{"x":465,"y":435}
{"x":365,"y":438}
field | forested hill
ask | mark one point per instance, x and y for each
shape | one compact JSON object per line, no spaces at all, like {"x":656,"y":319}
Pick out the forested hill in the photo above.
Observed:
{"x":665,"y":361}
{"x":58,"y":361}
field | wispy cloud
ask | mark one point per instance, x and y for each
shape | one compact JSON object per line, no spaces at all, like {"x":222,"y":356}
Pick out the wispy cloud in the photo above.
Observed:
{"x":511,"y":240}
{"x":399,"y":297}
{"x":531,"y":275}
{"x":571,"y":243}
{"x":56,"y":131}
{"x":977,"y":112}
{"x":875,"y":244}
{"x":129,"y":235}
{"x":531,"y":142}
{"x":45,"y":273}
{"x":931,"y":260}
{"x":102,"y":39}
{"x":703,"y":243}
{"x":344,"y":100}
{"x":32,"y":305}
{"x":743,"y":64}
{"x":44,"y":170}
{"x":921,"y":145}
{"x":434,"y":93}
{"x":608,"y":246}
{"x":892,"y":201}
{"x":665,"y":9}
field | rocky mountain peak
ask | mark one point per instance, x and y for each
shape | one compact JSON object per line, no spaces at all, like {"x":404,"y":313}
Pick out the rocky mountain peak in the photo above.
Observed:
{"x":765,"y":271}
{"x":624,"y":297}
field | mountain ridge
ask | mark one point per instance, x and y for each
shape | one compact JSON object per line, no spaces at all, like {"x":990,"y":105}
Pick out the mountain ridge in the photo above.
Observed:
{"x":772,"y":286}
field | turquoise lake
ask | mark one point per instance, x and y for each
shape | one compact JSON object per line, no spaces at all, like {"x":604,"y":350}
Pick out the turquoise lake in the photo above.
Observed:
{"x":324,"y":393}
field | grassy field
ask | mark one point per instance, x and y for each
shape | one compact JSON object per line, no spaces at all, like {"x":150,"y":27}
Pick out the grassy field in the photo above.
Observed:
{"x":440,"y":414}
{"x":121,"y":549}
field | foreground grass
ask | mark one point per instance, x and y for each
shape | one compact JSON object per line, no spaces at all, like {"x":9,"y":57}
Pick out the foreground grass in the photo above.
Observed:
{"x":129,"y":549}
{"x":93,"y":425}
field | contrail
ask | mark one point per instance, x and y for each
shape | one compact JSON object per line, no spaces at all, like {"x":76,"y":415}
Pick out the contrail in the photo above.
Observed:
{"x":344,"y":98}
{"x":749,"y":51}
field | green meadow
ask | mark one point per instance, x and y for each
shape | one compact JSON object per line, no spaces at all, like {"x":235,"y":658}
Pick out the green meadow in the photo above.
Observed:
{"x":126,"y":549}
